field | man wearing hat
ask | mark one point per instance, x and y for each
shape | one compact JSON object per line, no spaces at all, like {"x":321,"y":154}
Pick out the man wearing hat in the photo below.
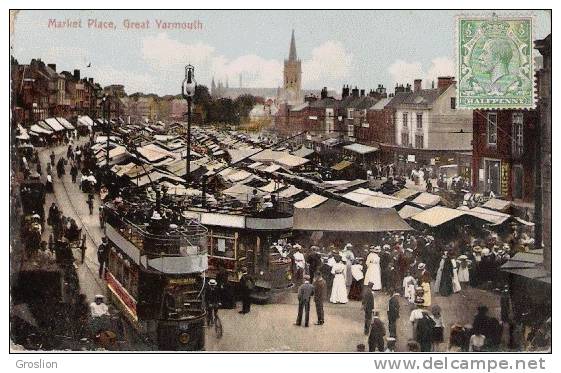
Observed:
{"x":102,"y":256}
{"x":368,"y":306}
{"x":246,"y":286}
{"x":385,"y":260}
{"x":299,"y":261}
{"x":98,"y":308}
{"x":424,"y":282}
{"x":212,"y":301}
{"x":305,"y":292}
{"x":393,"y":314}
{"x":314,"y":262}
{"x":320,"y":293}
{"x":377,"y":333}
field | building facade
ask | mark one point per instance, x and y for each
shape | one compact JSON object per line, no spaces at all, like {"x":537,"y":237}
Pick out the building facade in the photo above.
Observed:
{"x":504,"y":153}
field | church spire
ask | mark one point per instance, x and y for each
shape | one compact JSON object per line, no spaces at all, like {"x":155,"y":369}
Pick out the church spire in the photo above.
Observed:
{"x":292,"y":55}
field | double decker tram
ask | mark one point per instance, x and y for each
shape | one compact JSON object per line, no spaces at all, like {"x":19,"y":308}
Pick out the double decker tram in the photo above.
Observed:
{"x":244,"y":238}
{"x":156,"y":274}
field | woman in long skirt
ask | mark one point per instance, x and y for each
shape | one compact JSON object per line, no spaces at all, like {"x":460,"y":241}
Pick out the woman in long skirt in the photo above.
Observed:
{"x":339,"y":289}
{"x":356,"y":287}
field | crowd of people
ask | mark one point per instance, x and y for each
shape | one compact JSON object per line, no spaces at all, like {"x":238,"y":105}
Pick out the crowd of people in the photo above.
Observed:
{"x":411,"y":268}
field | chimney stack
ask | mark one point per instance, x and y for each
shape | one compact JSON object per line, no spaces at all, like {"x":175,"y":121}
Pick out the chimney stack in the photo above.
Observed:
{"x":355,"y":92}
{"x":417,"y":85}
{"x":76,"y":74}
{"x":91,"y":80}
{"x":52,"y":66}
{"x":324,"y":93}
{"x":444,"y":82}
{"x":345,"y":92}
{"x":362,"y":93}
{"x":408,"y":88}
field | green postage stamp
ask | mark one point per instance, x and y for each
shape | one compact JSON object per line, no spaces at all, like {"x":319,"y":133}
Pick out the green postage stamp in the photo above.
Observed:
{"x":495,"y":63}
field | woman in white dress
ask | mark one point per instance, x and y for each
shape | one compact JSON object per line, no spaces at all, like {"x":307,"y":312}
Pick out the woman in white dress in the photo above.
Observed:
{"x":456,"y":287}
{"x":339,"y":288}
{"x":463,"y":270}
{"x":373,"y":273}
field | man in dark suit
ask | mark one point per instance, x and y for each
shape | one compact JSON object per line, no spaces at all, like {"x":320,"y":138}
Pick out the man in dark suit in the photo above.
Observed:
{"x":424,"y":332}
{"x":246,"y":286}
{"x":305,"y":292}
{"x":314,"y":262}
{"x":393,"y":314}
{"x":368,"y":306}
{"x":320,"y":292}
{"x":377,"y":333}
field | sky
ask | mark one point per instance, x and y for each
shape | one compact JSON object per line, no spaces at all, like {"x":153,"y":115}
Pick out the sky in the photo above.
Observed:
{"x":359,"y":48}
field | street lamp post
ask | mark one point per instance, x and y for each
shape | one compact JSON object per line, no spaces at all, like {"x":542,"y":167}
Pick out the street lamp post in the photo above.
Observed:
{"x":188,"y":91}
{"x":104,"y":103}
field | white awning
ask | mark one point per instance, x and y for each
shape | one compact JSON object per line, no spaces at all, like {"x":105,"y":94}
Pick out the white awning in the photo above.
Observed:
{"x":66,"y":124}
{"x":54,"y":124}
{"x":38,"y":129}
{"x":360,"y":148}
{"x":438,"y":215}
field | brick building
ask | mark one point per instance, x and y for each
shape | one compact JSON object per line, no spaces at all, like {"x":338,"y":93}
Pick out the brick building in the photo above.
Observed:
{"x":504,"y":153}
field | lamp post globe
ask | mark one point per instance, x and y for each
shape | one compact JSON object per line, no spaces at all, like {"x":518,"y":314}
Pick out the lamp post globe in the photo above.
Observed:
{"x":189,"y":83}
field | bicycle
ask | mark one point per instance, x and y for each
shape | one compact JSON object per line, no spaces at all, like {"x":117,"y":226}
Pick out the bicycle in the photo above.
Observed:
{"x":215,"y":320}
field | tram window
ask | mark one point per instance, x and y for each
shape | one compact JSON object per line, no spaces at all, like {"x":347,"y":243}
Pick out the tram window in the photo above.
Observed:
{"x":221,"y":246}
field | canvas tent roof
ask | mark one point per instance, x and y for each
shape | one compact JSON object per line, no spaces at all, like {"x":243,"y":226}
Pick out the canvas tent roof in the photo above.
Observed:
{"x":237,"y":155}
{"x":492,"y":216}
{"x":360,"y":148}
{"x":153,"y":152}
{"x":346,"y":218}
{"x":528,"y":264}
{"x":241,"y":192}
{"x":38,"y":129}
{"x":310,"y":201}
{"x":271,"y":187}
{"x":427,"y":200}
{"x":369,"y":198}
{"x":497,"y":204}
{"x":406,"y":193}
{"x":66,"y":124}
{"x":303,"y":152}
{"x":408,"y":211}
{"x":341,"y":165}
{"x":54,"y":124}
{"x":85,"y":121}
{"x":438,"y":215}
{"x":290,"y":161}
{"x":289,"y":192}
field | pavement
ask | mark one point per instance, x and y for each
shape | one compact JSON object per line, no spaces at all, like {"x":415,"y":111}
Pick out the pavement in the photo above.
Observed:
{"x":268,"y":327}
{"x":72,"y":202}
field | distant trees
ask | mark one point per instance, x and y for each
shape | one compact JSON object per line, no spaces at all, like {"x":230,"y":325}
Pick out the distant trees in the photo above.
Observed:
{"x":224,"y":110}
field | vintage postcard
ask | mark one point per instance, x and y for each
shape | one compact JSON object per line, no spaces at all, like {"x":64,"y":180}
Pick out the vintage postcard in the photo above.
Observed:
{"x":280,"y":181}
